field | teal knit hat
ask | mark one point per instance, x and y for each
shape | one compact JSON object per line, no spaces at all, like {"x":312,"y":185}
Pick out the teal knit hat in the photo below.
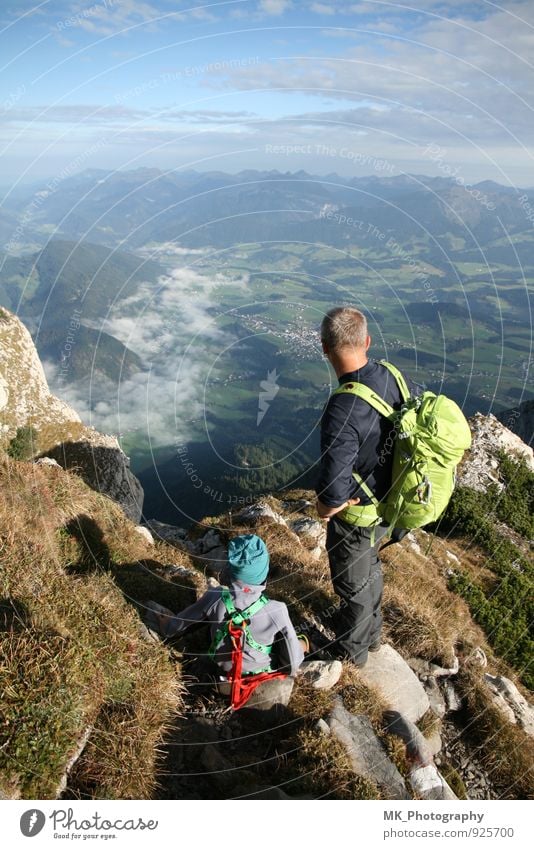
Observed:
{"x":248,"y":559}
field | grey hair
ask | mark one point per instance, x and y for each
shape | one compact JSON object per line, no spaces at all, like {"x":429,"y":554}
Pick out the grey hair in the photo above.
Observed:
{"x":344,"y":327}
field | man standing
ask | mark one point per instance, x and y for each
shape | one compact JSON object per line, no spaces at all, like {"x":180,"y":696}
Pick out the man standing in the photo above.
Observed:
{"x":355,"y":439}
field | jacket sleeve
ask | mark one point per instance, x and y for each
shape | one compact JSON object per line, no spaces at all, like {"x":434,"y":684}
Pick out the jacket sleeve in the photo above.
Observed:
{"x":339,"y":450}
{"x":287,"y":633}
{"x":196,"y":612}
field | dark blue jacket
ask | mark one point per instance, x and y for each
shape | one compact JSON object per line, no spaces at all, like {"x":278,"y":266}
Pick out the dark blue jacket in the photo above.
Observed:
{"x":355,"y":437}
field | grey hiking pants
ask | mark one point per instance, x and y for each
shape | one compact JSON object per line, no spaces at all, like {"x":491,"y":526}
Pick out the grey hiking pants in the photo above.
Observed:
{"x":357,"y":579}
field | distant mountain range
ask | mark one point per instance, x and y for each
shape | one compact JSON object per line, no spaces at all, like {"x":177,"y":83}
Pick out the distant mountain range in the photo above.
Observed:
{"x":134,"y":208}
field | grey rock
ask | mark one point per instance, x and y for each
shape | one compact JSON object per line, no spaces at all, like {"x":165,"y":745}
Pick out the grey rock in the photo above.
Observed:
{"x":174,"y":571}
{"x":452,"y":699}
{"x":511,"y":702}
{"x":260,"y":511}
{"x":47,"y":461}
{"x":24,"y":392}
{"x":267,"y":696}
{"x":208,"y":542}
{"x":321,"y":674}
{"x":168,"y":533}
{"x":399,"y":686}
{"x":311,"y":529}
{"x":445,"y":671}
{"x":215,"y":558}
{"x":413,"y":544}
{"x":367,"y":755}
{"x":322,"y":726}
{"x":419,"y":665}
{"x":270,"y":694}
{"x":104,"y":467}
{"x":144,"y":532}
{"x":427,"y":783}
{"x":489,"y":437}
{"x":435,"y":697}
{"x":434,"y":743}
{"x":418,"y":750}
{"x":478,"y":657}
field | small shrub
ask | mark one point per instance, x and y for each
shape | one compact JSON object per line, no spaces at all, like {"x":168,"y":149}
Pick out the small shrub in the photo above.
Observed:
{"x":23,"y":444}
{"x":505,"y":611}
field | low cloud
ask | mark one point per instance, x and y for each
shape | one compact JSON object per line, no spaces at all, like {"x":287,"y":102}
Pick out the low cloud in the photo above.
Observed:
{"x":173,"y":327}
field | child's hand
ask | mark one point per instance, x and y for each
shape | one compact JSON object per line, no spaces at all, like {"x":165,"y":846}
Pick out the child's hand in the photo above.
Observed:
{"x":305,"y":643}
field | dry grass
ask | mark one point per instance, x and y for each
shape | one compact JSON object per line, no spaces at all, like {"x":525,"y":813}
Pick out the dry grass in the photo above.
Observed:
{"x":423,"y":618}
{"x":72,"y":652}
{"x":504,"y":750}
{"x":326,"y":771}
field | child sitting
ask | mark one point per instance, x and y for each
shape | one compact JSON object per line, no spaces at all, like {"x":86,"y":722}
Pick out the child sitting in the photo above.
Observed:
{"x":264,"y":627}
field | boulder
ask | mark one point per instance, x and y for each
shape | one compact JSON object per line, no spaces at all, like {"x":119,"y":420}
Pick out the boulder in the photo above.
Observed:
{"x":25,"y":398}
{"x":253,"y":512}
{"x":321,"y":674}
{"x":366,"y":753}
{"x":424,"y":668}
{"x":145,"y":533}
{"x":310,"y":529}
{"x":399,"y":686}
{"x":47,"y":461}
{"x":267,"y":696}
{"x":480,"y":469}
{"x":427,"y":783}
{"x":511,"y":702}
{"x":168,"y":533}
{"x":418,"y":751}
{"x":445,"y":671}
{"x":104,"y":467}
{"x":208,"y":542}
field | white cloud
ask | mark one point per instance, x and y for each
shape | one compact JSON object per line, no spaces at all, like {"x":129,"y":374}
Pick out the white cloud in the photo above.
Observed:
{"x":322,"y":9}
{"x":173,"y":327}
{"x":274,"y":7}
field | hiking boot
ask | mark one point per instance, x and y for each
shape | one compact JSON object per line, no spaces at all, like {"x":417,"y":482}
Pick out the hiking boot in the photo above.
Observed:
{"x":376,"y":646}
{"x":337,"y":652}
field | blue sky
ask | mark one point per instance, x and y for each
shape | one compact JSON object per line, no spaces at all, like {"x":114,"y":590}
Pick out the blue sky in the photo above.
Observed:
{"x":380,"y":87}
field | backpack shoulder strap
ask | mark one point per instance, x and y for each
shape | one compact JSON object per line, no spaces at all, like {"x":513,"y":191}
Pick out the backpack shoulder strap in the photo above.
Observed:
{"x":367,"y":394}
{"x":399,"y":377}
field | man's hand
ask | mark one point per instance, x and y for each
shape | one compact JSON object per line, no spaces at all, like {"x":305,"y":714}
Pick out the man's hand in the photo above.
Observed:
{"x":326,"y":513}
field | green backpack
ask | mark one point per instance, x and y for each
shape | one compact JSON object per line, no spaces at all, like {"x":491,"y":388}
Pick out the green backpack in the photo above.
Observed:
{"x":430,"y":437}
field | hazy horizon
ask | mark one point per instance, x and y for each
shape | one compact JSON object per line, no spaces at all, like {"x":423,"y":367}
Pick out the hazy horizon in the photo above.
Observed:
{"x":439,"y":88}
